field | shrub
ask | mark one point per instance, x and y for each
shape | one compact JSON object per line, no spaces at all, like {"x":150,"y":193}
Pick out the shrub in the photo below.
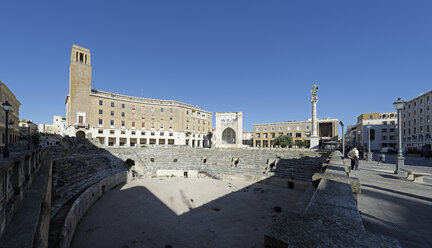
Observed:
{"x":283,"y":141}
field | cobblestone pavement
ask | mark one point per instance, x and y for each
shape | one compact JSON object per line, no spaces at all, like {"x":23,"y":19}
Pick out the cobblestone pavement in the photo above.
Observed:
{"x":391,"y":205}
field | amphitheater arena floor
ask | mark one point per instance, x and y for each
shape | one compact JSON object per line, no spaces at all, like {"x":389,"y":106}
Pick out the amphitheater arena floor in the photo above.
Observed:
{"x":185,"y":212}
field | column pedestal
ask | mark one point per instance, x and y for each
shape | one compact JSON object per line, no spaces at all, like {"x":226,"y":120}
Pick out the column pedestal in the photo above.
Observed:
{"x":314,"y":142}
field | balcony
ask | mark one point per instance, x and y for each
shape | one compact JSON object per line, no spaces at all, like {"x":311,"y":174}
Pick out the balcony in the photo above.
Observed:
{"x":79,"y":125}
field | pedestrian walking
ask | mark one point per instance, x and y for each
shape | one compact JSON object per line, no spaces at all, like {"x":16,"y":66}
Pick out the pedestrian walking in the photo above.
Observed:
{"x":354,"y":156}
{"x":426,"y":152}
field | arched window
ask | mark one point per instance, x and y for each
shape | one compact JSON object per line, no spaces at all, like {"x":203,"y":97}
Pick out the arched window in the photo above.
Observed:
{"x":228,"y":136}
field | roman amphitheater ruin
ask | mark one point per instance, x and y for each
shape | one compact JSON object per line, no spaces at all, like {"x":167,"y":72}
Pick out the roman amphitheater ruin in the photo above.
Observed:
{"x":77,"y":194}
{"x":159,"y":184}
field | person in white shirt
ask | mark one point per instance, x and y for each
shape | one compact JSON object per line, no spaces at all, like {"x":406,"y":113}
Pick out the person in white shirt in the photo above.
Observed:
{"x":354,"y":156}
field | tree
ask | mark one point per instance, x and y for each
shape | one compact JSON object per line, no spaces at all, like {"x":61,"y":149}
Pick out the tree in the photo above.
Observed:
{"x":302,"y":143}
{"x":283,"y":141}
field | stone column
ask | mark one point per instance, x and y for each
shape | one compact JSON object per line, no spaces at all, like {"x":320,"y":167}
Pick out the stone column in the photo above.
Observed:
{"x":314,"y":140}
{"x":106,"y":140}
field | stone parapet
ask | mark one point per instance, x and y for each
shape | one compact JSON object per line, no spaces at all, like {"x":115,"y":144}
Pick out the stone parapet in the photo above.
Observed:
{"x":25,"y":199}
{"x":83,"y":202}
{"x":331,"y":218}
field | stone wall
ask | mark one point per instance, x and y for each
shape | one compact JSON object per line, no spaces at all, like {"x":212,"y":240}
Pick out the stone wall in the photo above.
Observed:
{"x":25,"y":195}
{"x":83,"y":202}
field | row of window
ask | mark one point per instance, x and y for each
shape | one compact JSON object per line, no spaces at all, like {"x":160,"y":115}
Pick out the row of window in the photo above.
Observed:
{"x":100,"y":131}
{"x":123,"y":114}
{"x":391,"y":130}
{"x":11,"y":139}
{"x":281,"y":129}
{"x":415,"y":112}
{"x":199,"y":121}
{"x":428,"y":120}
{"x":415,"y":130}
{"x":415,"y":138}
{"x":391,"y":123}
{"x":123,"y":123}
{"x":123,"y":106}
{"x":415,"y":102}
{"x":273,"y":135}
{"x":133,"y":124}
{"x":199,"y":128}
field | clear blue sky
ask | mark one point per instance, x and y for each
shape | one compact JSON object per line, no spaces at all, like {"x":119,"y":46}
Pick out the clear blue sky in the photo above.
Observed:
{"x":259,"y":57}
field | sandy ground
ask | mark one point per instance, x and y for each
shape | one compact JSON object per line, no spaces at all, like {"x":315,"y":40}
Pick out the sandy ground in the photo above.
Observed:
{"x":179,"y":212}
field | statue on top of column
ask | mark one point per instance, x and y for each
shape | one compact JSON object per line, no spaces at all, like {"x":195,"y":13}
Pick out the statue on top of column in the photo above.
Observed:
{"x":314,"y":89}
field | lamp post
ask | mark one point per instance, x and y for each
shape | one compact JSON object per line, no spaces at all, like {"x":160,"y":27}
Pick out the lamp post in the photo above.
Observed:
{"x":343,"y":139}
{"x":29,"y":129}
{"x":369,"y":142}
{"x":400,"y":160}
{"x":7,"y":107}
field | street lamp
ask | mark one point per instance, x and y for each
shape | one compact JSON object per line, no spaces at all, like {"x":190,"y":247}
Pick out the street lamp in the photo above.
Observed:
{"x":400,"y":160}
{"x":369,"y":142}
{"x":343,"y":139}
{"x":7,"y":107}
{"x":28,"y":124}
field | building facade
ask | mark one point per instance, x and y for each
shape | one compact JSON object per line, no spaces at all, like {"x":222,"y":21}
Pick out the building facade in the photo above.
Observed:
{"x":13,"y":116}
{"x":57,"y":127}
{"x":229,"y":130}
{"x":383,"y":131}
{"x":247,"y":138}
{"x":264,"y":134}
{"x":25,"y":126}
{"x":120,"y":120}
{"x":416,"y":122}
{"x":351,"y":136}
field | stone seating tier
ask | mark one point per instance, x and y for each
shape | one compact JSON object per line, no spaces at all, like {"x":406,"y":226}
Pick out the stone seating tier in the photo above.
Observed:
{"x":293,"y":164}
{"x":74,"y":171}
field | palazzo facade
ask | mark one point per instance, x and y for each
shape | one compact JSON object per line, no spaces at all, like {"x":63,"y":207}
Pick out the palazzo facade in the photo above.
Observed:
{"x":121,"y":120}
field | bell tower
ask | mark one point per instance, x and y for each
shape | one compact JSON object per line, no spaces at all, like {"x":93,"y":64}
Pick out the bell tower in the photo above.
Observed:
{"x":78,"y":99}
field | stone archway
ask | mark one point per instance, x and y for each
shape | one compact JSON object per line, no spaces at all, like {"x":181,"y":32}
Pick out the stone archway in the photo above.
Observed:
{"x":80,"y":134}
{"x":228,"y":136}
